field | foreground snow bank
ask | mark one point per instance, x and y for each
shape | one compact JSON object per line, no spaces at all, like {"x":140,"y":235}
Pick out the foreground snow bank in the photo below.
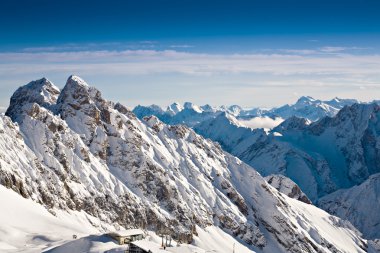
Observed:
{"x":26,"y":226}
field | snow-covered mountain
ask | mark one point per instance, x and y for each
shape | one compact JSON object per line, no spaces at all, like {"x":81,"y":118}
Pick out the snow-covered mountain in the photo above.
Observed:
{"x":312,"y":109}
{"x":190,"y":114}
{"x":321,"y":157}
{"x":74,"y":151}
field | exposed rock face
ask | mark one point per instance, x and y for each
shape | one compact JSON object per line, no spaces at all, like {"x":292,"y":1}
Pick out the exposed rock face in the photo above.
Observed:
{"x":86,"y":153}
{"x":42,"y":92}
{"x":288,"y":187}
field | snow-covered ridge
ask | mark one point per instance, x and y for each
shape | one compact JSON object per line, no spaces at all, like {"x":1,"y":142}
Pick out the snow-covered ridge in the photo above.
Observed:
{"x":84,"y":153}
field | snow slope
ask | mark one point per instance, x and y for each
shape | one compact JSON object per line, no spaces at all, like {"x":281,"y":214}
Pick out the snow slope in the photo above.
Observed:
{"x":80,"y":152}
{"x":26,"y":226}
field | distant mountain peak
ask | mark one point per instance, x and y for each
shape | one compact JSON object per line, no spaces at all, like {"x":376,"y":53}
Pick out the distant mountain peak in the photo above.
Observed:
{"x":305,"y":99}
{"x":174,"y":108}
{"x":292,"y":123}
{"x":207,"y":108}
{"x":231,"y":118}
{"x":192,"y":106}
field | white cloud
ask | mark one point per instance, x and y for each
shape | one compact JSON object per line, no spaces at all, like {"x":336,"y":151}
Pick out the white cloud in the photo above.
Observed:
{"x":149,"y":42}
{"x":340,"y":49}
{"x":332,"y":49}
{"x":181,"y":46}
{"x":299,"y":51}
{"x":137,"y":62}
{"x":261,"y":122}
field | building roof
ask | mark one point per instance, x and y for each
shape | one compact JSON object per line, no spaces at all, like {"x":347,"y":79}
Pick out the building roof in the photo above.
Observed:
{"x":149,"y":245}
{"x":128,"y":232}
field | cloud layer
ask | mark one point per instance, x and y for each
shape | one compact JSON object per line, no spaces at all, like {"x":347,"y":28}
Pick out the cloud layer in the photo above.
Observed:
{"x":158,"y":76}
{"x":171,"y":61}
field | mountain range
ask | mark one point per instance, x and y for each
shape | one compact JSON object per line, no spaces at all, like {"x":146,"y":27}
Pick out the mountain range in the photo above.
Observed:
{"x":190,"y":114}
{"x":76,"y":155}
{"x":333,"y":160}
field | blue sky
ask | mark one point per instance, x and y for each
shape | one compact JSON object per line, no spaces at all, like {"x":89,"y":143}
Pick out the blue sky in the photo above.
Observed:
{"x":253,"y":53}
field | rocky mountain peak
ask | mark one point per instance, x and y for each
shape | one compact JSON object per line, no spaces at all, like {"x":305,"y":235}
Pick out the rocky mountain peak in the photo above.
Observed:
{"x":77,"y":80}
{"x":305,"y":99}
{"x":77,"y":94}
{"x":42,"y":92}
{"x":76,"y":91}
